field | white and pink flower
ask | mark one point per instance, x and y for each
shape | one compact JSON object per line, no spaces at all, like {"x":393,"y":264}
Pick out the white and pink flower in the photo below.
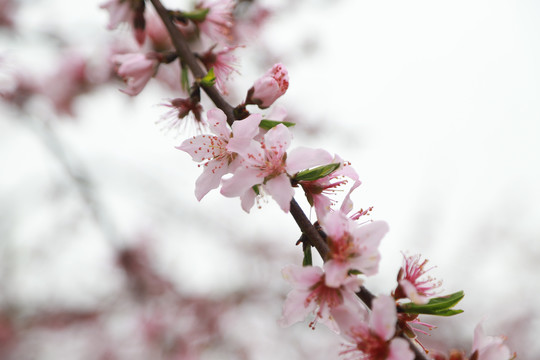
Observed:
{"x":218,"y":22}
{"x":119,"y":11}
{"x":352,"y":247}
{"x":136,"y":69}
{"x":268,"y":165}
{"x":269,"y":87}
{"x":310,"y":294}
{"x":413,"y":284}
{"x":223,"y":62}
{"x":373,"y":339}
{"x":489,"y":347}
{"x":321,"y":193}
{"x":213,"y":150}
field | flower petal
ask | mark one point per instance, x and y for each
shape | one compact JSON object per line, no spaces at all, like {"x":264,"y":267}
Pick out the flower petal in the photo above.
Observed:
{"x":384,"y":317}
{"x":198,"y":147}
{"x":400,"y":350}
{"x":210,"y":178}
{"x":241,"y":181}
{"x":281,"y":190}
{"x":218,"y":123}
{"x":303,"y":158}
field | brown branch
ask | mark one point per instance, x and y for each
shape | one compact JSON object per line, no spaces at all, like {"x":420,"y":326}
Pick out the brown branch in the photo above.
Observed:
{"x":184,"y":52}
{"x":301,"y":219}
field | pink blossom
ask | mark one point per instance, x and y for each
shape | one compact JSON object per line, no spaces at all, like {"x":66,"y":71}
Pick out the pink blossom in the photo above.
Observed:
{"x":269,"y":87}
{"x":213,"y":150}
{"x":352,"y":247}
{"x":180,"y":108}
{"x":68,"y":81}
{"x":268,"y":165}
{"x":223,"y":62}
{"x":310,"y":294}
{"x":321,"y":192}
{"x":373,"y":339}
{"x":136,"y":69}
{"x":489,"y":347}
{"x":156,"y":31}
{"x":412,"y":283}
{"x":219,"y":20}
{"x":119,"y":11}
{"x":7,"y":10}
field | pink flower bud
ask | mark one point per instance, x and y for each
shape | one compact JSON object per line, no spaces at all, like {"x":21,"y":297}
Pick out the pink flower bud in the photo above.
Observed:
{"x":136,"y":70}
{"x":269,"y":87}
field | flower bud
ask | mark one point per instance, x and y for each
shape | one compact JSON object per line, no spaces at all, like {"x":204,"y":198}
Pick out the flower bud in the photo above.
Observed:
{"x":136,"y":70}
{"x":269,"y":87}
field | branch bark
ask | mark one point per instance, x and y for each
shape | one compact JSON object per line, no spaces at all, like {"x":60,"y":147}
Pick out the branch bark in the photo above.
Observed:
{"x":307,"y":228}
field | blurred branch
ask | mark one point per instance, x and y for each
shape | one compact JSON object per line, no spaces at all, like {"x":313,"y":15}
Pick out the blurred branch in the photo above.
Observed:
{"x":80,"y":178}
{"x":184,"y":52}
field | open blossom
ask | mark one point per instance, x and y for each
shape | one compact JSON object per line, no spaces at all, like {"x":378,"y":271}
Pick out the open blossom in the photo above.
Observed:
{"x":352,"y":247}
{"x":218,"y":22}
{"x":320,"y":192}
{"x":269,"y":87}
{"x":213,"y":150}
{"x":489,"y":347}
{"x":223,"y":62}
{"x":373,"y":339}
{"x":310,"y":294}
{"x":412,"y":283}
{"x":127,"y":11}
{"x":180,"y":108}
{"x":268,"y":164}
{"x":136,"y":69}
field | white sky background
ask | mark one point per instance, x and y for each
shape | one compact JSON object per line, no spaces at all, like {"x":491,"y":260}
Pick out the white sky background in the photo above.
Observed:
{"x":435,"y":104}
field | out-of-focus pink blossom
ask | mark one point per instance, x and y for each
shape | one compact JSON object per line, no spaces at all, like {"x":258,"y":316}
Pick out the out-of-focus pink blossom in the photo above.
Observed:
{"x":310,"y":294}
{"x":223,"y":62}
{"x":267,"y":164}
{"x":119,"y":11}
{"x":157,"y":32}
{"x":412,"y":283}
{"x":66,"y":83}
{"x":213,"y":150}
{"x":352,"y":247}
{"x":249,"y":24}
{"x":136,"y":70}
{"x":6,"y":12}
{"x":489,"y":347}
{"x":269,"y":87}
{"x":219,"y":20}
{"x":373,"y":339}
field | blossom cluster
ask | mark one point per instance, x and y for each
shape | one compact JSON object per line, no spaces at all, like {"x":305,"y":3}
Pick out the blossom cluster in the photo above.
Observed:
{"x":248,"y":156}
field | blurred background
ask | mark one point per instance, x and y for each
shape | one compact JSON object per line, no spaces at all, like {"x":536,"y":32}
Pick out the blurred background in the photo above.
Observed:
{"x":106,"y":254}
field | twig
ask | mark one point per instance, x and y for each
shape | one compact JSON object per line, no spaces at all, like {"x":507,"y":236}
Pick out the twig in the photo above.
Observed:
{"x":301,"y":219}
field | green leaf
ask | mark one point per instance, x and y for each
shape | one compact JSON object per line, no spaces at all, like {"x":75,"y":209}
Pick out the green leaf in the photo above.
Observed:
{"x":439,"y":306}
{"x":268,"y":124}
{"x":198,"y":15}
{"x":185,"y":77}
{"x":209,"y":79}
{"x":316,"y":173}
{"x":256,"y":189}
{"x":308,"y":261}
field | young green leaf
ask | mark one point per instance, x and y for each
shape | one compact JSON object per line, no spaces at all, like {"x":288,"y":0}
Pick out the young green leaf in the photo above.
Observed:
{"x":308,"y":261}
{"x":198,"y":15}
{"x":316,"y":173}
{"x":440,"y":306}
{"x":209,"y":79}
{"x":268,"y":124}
